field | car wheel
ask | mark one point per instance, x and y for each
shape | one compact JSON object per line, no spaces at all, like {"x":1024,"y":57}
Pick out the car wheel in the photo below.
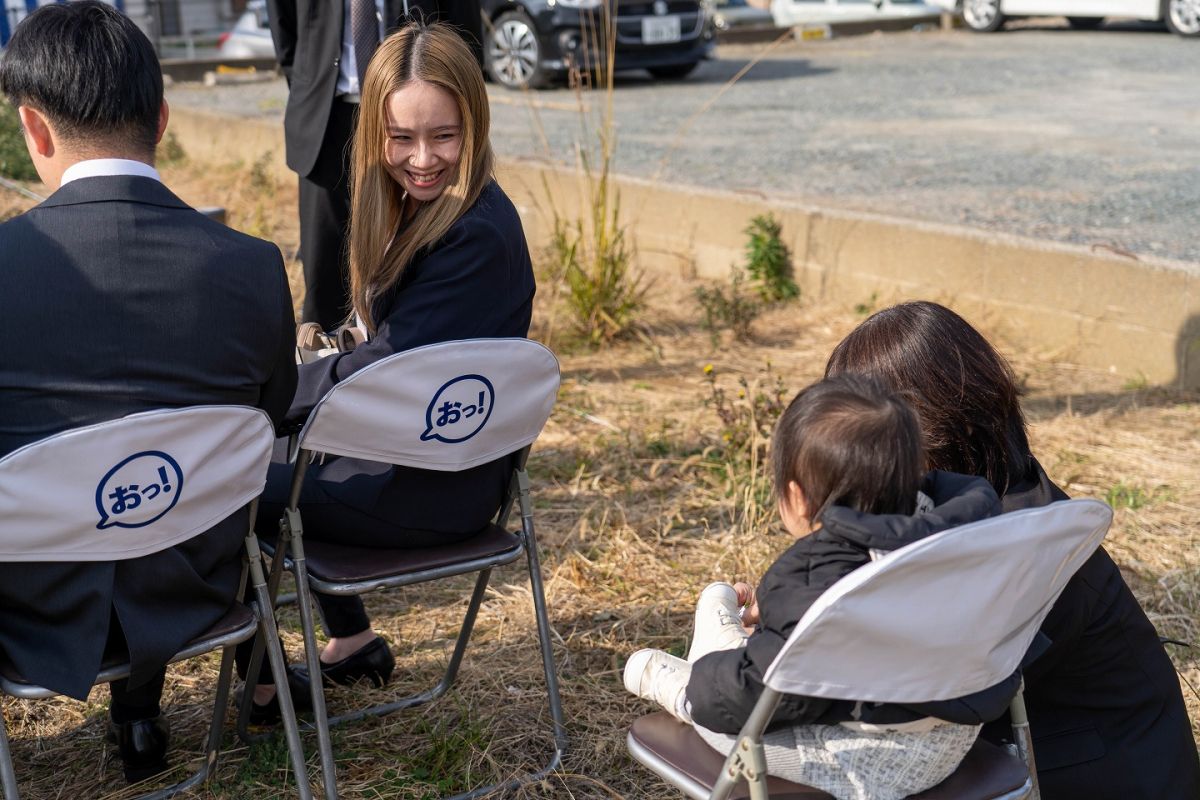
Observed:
{"x":982,"y":16}
{"x":513,"y":54}
{"x":1182,"y":16}
{"x":1085,"y":23}
{"x":674,"y":71}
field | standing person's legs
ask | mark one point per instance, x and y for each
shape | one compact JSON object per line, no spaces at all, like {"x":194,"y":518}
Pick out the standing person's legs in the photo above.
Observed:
{"x":324,"y":217}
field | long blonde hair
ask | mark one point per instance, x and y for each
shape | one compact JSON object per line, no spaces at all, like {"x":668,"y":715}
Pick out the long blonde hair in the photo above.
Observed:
{"x":379,"y":249}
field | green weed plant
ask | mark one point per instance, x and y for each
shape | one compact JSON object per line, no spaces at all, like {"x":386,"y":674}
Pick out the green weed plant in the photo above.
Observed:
{"x":731,"y":309}
{"x":747,"y":417}
{"x":1134,"y":497}
{"x":768,"y":260}
{"x":14,"y":157}
{"x":592,"y":252}
{"x":170,"y":151}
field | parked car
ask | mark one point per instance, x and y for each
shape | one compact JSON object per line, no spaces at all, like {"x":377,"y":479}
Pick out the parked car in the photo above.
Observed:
{"x":533,"y":43}
{"x":731,"y":14}
{"x":800,"y":12}
{"x":250,"y":36}
{"x":1180,"y":16}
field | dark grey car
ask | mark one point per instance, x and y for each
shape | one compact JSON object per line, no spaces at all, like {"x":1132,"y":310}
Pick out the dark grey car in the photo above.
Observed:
{"x":533,"y":43}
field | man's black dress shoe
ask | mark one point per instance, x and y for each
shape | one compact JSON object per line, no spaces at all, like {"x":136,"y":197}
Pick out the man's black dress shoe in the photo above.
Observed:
{"x":299,"y":688}
{"x":142,"y":744}
{"x":373,"y":661}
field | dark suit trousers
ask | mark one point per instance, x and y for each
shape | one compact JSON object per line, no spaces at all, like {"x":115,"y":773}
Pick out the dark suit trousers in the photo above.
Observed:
{"x":324,"y":218}
{"x":139,"y":701}
{"x":328,"y":519}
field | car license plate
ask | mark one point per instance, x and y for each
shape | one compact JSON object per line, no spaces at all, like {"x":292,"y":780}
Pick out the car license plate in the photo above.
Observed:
{"x":660,"y":30}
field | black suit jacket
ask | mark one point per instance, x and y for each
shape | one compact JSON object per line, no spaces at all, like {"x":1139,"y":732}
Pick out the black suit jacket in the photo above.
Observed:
{"x":116,"y":297}
{"x":477,"y":282}
{"x":308,"y":44}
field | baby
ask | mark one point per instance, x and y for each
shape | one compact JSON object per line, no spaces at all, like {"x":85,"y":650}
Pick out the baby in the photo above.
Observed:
{"x":848,"y":467}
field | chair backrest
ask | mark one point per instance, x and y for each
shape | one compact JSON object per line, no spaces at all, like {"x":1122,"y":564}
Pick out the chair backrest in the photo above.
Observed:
{"x":943,"y":617}
{"x":132,"y":486}
{"x":447,"y":406}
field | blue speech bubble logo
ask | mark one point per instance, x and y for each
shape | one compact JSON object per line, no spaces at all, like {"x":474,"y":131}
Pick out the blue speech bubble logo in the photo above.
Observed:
{"x":139,"y":490}
{"x":459,"y":409}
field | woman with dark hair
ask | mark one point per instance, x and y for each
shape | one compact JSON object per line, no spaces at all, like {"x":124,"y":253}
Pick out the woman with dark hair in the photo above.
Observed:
{"x":1105,"y":707}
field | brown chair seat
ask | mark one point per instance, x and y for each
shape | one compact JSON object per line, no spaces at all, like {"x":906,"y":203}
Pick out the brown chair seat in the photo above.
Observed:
{"x":987,"y":772}
{"x":237,"y":619}
{"x":334,"y":563}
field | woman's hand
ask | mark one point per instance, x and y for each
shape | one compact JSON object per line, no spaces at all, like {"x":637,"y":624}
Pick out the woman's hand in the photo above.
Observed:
{"x":749,"y":604}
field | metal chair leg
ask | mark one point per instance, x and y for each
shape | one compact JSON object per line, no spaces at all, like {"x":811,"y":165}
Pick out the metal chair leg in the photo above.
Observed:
{"x":748,"y":759}
{"x":225,"y":678}
{"x":278,"y":560}
{"x":1023,"y":738}
{"x":307,"y":625}
{"x":420,"y":698}
{"x":529,"y":541}
{"x":270,"y":636}
{"x":8,"y":778}
{"x":543,"y":622}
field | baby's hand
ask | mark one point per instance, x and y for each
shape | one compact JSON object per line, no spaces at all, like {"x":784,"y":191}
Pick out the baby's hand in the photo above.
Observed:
{"x":749,"y":604}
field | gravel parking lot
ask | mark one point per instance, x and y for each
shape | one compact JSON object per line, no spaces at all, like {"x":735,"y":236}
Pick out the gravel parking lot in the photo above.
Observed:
{"x":1086,"y":137}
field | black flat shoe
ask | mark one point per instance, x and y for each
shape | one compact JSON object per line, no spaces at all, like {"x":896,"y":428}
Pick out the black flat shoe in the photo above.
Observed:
{"x":298,"y":687}
{"x":373,"y":661}
{"x":142,"y":744}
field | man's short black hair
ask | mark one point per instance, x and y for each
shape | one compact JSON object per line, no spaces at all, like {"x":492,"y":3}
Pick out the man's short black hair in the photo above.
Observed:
{"x":89,"y":70}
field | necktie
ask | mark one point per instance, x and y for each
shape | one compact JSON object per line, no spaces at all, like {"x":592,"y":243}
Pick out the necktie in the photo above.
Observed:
{"x":364,"y":29}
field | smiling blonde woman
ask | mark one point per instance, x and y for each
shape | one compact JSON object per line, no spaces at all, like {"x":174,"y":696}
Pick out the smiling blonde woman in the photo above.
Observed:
{"x":437,"y":253}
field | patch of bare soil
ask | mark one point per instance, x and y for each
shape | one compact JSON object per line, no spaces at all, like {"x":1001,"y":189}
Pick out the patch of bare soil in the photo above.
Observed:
{"x":641,"y":501}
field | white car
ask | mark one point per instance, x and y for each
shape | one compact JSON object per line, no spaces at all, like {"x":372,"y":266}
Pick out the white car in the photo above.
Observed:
{"x":733,"y":14}
{"x":801,"y":12}
{"x":1181,"y":16}
{"x":251,"y":35}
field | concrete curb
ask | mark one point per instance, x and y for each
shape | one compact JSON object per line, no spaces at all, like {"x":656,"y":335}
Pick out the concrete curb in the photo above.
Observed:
{"x":182,"y":69}
{"x":764,"y":34}
{"x":1136,"y":316}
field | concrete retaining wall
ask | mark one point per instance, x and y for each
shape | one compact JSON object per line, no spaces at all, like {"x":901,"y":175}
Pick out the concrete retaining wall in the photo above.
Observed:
{"x":1139,"y":317}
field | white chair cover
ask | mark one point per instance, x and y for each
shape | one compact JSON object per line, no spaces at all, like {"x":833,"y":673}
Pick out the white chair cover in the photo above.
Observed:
{"x":943,"y":617}
{"x":447,"y":406}
{"x":132,"y":486}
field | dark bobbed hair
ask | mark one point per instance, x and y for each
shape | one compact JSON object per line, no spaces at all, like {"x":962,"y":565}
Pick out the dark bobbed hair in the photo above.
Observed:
{"x":89,"y":70}
{"x":963,"y":390}
{"x":847,"y":441}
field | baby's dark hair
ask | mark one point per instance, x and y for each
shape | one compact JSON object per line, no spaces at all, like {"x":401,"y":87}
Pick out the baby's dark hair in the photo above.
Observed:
{"x":847,"y":441}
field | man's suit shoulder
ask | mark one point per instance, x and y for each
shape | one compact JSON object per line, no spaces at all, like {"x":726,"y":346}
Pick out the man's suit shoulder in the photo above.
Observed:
{"x":233,"y":237}
{"x":198,"y":234}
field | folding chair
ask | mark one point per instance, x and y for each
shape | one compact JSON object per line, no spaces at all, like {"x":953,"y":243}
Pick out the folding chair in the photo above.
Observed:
{"x":448,"y":407}
{"x":67,"y":498}
{"x":938,"y":619}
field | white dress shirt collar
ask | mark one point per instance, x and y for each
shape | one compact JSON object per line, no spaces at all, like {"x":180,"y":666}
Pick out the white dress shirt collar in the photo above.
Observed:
{"x":104,"y":167}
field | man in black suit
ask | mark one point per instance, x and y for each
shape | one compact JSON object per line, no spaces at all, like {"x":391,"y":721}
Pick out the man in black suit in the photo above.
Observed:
{"x":118,"y":298}
{"x":323,"y":47}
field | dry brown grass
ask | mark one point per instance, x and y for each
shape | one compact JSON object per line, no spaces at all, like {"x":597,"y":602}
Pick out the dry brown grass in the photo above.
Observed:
{"x":637,"y":510}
